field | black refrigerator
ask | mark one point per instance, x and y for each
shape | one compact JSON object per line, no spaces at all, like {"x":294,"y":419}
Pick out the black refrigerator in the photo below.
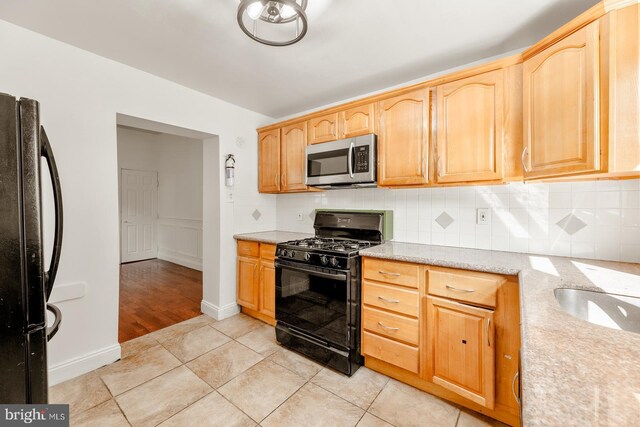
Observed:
{"x":25,"y":282}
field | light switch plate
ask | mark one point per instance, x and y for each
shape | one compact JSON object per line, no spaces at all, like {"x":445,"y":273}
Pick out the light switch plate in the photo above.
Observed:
{"x":482,"y":216}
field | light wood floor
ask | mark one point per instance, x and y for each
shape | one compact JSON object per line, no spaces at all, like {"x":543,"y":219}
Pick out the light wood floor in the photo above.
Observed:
{"x":155,"y":294}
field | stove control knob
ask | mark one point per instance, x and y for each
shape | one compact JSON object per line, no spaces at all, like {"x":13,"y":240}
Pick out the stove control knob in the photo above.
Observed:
{"x":285,"y":252}
{"x":292,"y":254}
{"x":334,"y":261}
{"x":307,"y":256}
{"x":324,"y":259}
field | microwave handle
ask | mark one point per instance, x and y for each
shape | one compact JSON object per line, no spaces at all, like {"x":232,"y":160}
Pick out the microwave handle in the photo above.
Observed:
{"x":352,"y":148}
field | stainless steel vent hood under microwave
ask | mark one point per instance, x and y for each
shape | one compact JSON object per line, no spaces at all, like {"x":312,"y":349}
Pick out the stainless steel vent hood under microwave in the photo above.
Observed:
{"x":344,"y":163}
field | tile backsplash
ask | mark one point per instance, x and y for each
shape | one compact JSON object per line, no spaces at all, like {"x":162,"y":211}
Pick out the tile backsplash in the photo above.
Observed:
{"x":592,"y":219}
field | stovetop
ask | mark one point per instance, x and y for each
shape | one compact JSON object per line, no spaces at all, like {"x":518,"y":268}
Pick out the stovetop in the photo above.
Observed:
{"x":322,"y":251}
{"x":328,"y":244}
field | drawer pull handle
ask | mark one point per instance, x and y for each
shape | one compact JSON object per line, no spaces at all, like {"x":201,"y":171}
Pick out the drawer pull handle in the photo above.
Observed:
{"x":387,"y":273}
{"x":390,"y":301}
{"x":513,"y":387}
{"x":390,"y":328}
{"x":453,"y":288}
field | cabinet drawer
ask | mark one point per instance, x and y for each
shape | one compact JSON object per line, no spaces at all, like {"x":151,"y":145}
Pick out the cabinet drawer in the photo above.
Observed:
{"x":267,"y":251}
{"x":390,"y":325}
{"x":246,"y":248}
{"x":398,"y":273}
{"x":393,"y":298}
{"x":471,"y":287}
{"x":396,"y":353}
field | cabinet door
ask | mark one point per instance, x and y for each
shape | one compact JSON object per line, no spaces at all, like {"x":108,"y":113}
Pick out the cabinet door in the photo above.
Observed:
{"x":357,"y":121}
{"x":269,"y":161}
{"x":248,"y":282}
{"x":470,"y":130}
{"x":561,"y":107}
{"x":323,"y":128}
{"x":461,"y":346}
{"x":294,"y":143}
{"x":402,"y":139}
{"x":267,"y":288}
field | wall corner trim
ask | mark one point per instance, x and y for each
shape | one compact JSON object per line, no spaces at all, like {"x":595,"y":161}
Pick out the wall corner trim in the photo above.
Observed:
{"x":219,"y":313}
{"x":81,"y":365}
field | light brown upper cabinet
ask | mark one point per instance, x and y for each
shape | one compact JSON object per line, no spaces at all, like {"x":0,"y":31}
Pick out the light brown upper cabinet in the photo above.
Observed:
{"x":269,"y":161}
{"x":323,"y":128}
{"x":357,"y":121}
{"x":403,"y":143}
{"x":293,"y":157}
{"x":561,"y":107}
{"x":470,"y":128}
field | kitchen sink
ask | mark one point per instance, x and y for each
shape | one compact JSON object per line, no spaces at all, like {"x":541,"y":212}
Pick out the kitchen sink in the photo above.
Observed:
{"x":610,"y":310}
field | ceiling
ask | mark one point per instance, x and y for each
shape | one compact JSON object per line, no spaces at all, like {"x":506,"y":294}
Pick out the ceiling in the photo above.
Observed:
{"x":352,"y":47}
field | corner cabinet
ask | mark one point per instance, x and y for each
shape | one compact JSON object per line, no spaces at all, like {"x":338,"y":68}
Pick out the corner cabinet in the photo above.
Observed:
{"x":562,"y":107}
{"x":256,"y":291}
{"x":470,"y":131}
{"x":403,"y":143}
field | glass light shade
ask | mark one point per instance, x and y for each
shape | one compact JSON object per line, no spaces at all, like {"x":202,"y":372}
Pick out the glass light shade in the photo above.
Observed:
{"x":254,"y":10}
{"x":287,"y":11}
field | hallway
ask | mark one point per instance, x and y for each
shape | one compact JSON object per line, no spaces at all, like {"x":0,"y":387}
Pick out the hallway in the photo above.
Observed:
{"x":155,"y":294}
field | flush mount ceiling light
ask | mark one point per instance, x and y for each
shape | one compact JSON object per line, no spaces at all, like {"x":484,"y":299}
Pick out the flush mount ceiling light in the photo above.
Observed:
{"x":273,"y":22}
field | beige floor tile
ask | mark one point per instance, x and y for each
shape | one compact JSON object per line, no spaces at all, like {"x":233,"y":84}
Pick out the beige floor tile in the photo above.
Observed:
{"x":80,"y":393}
{"x":137,"y":345}
{"x":238,"y":325}
{"x":212,"y":410}
{"x":181,"y":328}
{"x":360,"y":389}
{"x":313,"y":406}
{"x":261,"y":340}
{"x":295,"y":362}
{"x":137,"y":369}
{"x":224,"y":363}
{"x":403,"y":405}
{"x":369,"y":420}
{"x":261,"y":389}
{"x":195,"y":343}
{"x":469,"y":418}
{"x":162,"y":397}
{"x":106,"y":414}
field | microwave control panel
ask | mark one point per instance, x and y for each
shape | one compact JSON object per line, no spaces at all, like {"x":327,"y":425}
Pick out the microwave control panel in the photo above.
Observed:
{"x":362,"y":159}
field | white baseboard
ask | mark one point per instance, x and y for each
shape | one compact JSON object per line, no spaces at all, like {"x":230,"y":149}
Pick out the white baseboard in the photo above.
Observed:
{"x":219,"y":313}
{"x":176,"y":258}
{"x":83,"y":364}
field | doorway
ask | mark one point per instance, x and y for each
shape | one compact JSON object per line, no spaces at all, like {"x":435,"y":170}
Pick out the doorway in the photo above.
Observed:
{"x":161,"y":224}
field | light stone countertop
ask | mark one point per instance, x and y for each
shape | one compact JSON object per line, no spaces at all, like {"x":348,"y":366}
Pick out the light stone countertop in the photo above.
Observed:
{"x":574,"y":373}
{"x":272,"y":237}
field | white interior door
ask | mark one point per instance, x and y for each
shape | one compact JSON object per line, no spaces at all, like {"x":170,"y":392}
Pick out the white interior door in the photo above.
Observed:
{"x":138,"y":215}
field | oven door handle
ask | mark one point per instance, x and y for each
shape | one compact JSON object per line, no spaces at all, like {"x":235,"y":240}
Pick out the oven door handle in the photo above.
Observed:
{"x":335,"y":276}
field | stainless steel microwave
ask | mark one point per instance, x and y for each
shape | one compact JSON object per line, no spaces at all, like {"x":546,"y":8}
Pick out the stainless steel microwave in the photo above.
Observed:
{"x":347,"y":162}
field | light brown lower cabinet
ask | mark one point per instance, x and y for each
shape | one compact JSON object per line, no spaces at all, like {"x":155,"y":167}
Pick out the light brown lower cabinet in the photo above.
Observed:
{"x":256,"y":290}
{"x":461,"y":349}
{"x":450,"y":332}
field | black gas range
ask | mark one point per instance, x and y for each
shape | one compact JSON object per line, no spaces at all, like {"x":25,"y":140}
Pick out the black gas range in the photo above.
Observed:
{"x":318,"y":288}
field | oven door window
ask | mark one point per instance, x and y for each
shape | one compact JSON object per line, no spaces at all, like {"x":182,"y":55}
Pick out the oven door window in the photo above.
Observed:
{"x":328,"y":163}
{"x":315,"y":303}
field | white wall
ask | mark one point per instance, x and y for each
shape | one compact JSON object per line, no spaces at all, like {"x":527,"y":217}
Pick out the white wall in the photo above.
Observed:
{"x":80,"y":94}
{"x":523,"y":216}
{"x":178,"y":162}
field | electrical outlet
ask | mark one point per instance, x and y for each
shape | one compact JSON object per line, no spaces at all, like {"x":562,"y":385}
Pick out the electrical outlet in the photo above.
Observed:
{"x":482,"y":216}
{"x":299,"y":216}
